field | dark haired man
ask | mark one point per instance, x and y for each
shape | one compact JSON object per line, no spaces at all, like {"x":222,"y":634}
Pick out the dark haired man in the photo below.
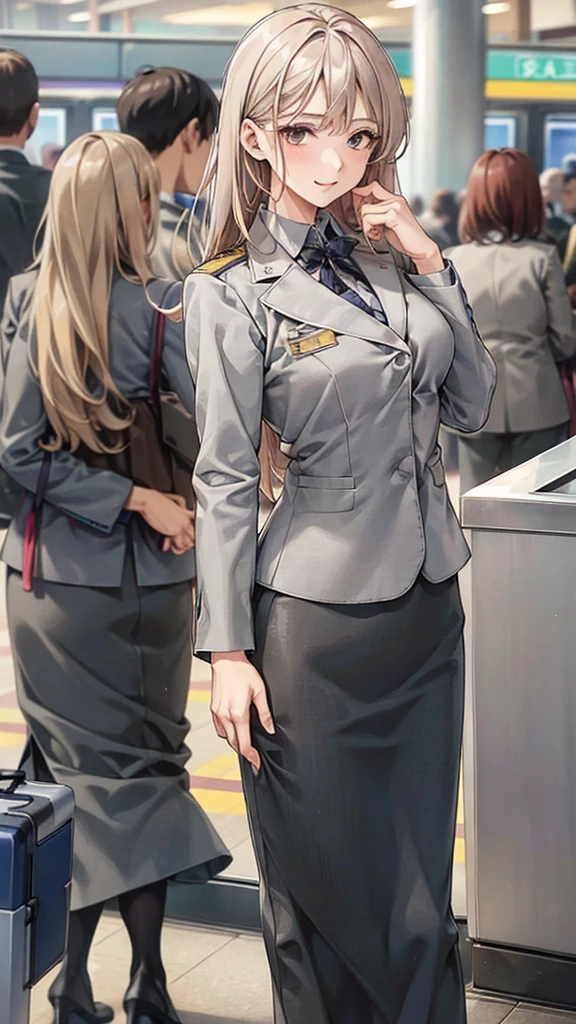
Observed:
{"x":567,"y":242}
{"x":23,"y":186}
{"x":174,"y":114}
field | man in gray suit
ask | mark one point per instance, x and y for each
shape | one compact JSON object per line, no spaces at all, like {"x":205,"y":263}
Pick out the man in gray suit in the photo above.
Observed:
{"x":23,"y":186}
{"x":173,"y":113}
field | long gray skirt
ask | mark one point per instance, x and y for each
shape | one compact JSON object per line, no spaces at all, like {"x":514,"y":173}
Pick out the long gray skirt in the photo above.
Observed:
{"x":353,"y":813}
{"x":102,"y":678}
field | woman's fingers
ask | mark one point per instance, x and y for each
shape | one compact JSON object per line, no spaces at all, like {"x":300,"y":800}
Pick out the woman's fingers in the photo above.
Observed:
{"x":177,"y":499}
{"x":245,"y":742}
{"x":375,"y":189}
{"x":218,"y":726}
{"x":264,"y":714}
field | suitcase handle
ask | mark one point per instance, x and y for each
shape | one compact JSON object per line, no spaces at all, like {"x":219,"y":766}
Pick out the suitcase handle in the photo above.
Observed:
{"x":16,"y":776}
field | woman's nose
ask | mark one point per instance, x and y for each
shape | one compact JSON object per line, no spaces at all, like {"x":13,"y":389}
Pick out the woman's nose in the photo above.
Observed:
{"x":331,"y":158}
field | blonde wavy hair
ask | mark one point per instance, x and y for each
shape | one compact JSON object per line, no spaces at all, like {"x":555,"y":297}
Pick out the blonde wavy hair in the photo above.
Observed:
{"x":93,"y":226}
{"x":275,"y":69}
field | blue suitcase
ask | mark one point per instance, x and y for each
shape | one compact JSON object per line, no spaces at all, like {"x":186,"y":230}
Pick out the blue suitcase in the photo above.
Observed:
{"x":36,"y":822}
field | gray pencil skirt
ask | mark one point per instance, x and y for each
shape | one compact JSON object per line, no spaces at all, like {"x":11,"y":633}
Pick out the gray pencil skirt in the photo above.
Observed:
{"x":102,"y":678}
{"x":353,"y":813}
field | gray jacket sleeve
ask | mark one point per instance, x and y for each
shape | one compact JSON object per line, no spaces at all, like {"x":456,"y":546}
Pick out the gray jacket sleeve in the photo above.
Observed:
{"x":226,"y":356}
{"x":466,"y":394}
{"x":561,"y":326}
{"x":93,"y":496}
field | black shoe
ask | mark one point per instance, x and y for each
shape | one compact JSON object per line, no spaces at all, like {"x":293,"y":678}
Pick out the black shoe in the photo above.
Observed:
{"x":68,"y":1012}
{"x":148,"y":1002}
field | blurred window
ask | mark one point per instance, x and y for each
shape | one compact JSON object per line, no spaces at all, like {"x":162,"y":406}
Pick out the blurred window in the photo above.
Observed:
{"x":499,"y":132}
{"x":51,"y":128}
{"x":559,"y":139}
{"x":104,"y":120}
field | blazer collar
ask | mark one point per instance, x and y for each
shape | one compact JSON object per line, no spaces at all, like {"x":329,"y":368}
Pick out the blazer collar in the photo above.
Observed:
{"x":297,"y":295}
{"x":13,"y":155}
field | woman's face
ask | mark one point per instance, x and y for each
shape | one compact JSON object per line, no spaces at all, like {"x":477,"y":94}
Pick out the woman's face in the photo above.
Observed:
{"x":316,"y":166}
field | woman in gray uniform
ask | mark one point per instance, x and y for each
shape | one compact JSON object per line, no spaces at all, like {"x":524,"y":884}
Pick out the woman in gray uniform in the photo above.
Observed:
{"x":100,"y":617}
{"x":340,"y":634}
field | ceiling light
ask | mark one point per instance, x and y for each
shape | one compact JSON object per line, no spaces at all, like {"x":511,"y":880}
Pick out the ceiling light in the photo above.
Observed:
{"x":378,"y":21}
{"x":22,"y":7}
{"x":496,"y":8}
{"x":397,"y":5}
{"x":79,"y":16}
{"x":243,"y":14}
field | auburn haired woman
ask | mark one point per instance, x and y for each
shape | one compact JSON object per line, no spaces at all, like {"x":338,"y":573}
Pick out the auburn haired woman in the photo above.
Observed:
{"x":515,"y":282}
{"x":99,"y":613}
{"x":325,"y":311}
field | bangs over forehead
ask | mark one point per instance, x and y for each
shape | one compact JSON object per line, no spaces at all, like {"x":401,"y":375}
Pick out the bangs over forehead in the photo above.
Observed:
{"x":313,"y":54}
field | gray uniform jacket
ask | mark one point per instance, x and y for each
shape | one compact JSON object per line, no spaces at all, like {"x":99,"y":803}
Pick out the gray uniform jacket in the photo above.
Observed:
{"x":523,"y":313}
{"x":357,"y":405}
{"x":180,"y":241}
{"x":84,"y":532}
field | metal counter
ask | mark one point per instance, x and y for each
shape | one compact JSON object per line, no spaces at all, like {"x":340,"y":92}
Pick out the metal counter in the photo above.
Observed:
{"x":520,"y":729}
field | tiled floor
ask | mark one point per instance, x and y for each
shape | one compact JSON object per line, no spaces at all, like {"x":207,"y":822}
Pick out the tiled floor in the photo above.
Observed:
{"x":222,"y":978}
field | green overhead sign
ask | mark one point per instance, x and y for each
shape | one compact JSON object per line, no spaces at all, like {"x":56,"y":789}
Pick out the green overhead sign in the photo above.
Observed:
{"x":511,"y":65}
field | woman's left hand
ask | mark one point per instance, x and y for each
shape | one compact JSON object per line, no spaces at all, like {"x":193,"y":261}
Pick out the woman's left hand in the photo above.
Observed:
{"x":389,"y":215}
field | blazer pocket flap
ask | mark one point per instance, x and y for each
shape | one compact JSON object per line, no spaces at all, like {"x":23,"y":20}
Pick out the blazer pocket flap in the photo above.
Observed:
{"x":330,"y":483}
{"x":325,"y":494}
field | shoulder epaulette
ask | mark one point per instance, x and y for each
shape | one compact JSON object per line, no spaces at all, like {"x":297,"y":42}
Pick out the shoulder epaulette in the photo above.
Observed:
{"x":222,"y":261}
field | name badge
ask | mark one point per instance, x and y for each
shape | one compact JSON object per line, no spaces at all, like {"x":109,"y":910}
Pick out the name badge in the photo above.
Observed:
{"x":312,"y":343}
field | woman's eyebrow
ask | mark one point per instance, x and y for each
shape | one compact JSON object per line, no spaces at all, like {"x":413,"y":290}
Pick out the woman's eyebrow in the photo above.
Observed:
{"x":316,"y":118}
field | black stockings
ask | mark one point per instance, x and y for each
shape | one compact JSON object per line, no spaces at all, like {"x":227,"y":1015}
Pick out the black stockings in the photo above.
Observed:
{"x":73,"y":981}
{"x":143,"y":913}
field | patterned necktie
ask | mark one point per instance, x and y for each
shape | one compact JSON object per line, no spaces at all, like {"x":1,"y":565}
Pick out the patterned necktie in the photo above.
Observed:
{"x":330,"y":257}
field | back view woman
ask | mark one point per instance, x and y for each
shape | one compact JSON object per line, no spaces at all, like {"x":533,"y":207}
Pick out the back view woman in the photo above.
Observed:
{"x":100,"y":620}
{"x":515,"y":285}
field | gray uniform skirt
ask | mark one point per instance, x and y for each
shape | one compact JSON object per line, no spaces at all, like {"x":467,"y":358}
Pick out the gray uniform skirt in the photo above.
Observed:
{"x":102,"y":678}
{"x":353,"y":813}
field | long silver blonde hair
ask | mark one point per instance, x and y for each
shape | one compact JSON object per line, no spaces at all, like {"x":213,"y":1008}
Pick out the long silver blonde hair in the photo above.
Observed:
{"x":276,"y":68}
{"x":94,"y":225}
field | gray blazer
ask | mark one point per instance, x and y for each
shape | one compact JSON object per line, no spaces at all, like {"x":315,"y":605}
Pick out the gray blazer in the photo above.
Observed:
{"x":84,"y":530}
{"x":357,"y":405}
{"x":523,"y":313}
{"x":180,"y":241}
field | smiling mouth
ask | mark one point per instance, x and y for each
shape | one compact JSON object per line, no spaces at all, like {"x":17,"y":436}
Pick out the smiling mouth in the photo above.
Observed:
{"x":325,"y":184}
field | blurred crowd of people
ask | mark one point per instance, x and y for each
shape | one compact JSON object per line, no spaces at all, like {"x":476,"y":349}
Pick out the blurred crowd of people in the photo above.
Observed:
{"x":512,"y":238}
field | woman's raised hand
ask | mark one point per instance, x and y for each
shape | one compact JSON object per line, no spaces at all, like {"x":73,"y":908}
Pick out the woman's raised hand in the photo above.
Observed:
{"x":389,"y":215}
{"x":236,"y":685}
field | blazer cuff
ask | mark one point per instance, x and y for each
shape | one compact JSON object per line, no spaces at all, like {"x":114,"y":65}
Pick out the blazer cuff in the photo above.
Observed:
{"x":112,"y":508}
{"x":439,"y":279}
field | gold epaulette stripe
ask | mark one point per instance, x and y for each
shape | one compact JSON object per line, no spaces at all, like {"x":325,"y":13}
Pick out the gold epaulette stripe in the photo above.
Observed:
{"x":223,"y":260}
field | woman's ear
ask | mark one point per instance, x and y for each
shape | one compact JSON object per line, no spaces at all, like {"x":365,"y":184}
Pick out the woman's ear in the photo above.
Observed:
{"x":254,"y":140}
{"x":146,"y":211}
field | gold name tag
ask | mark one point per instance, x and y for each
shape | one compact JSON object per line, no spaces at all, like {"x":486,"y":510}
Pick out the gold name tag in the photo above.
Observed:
{"x":305,"y":346}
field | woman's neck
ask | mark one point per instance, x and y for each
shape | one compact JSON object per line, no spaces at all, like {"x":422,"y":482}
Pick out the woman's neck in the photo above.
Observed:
{"x":290,"y":205}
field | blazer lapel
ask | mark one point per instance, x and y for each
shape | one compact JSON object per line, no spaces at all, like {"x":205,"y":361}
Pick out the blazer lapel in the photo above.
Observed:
{"x":297,"y":295}
{"x":384,"y":276}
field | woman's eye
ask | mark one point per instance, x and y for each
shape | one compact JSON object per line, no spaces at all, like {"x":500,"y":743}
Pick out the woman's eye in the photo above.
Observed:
{"x":295,"y":136}
{"x":362,"y":140}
